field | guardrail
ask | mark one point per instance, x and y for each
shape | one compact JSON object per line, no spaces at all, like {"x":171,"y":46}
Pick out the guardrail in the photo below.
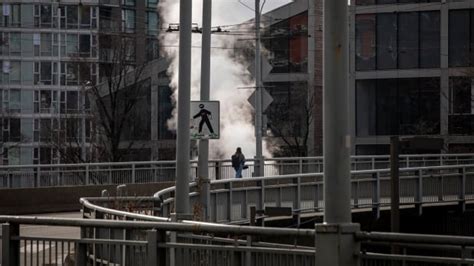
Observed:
{"x":28,"y":176}
{"x":414,"y":249}
{"x":231,"y":199}
{"x":107,"y":242}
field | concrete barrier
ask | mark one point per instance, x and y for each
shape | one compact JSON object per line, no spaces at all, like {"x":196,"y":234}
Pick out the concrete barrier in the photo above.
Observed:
{"x":62,"y":199}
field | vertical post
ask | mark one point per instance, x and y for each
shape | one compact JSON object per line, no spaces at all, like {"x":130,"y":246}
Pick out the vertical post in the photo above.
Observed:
{"x":81,"y":250}
{"x":133,"y":173}
{"x":87,"y":175}
{"x":152,"y":247}
{"x":83,"y":122}
{"x":336,"y":134}
{"x":258,"y":98}
{"x":419,"y":193}
{"x":462,"y":195}
{"x":10,"y":248}
{"x":184,"y":97}
{"x":395,"y":184}
{"x":376,"y":195}
{"x":203,"y":160}
{"x":335,"y":241}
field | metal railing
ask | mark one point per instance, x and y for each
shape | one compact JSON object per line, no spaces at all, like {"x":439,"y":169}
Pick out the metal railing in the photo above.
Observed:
{"x":231,"y":199}
{"x":107,"y":242}
{"x":153,"y":243}
{"x":414,"y":249}
{"x":30,"y":176}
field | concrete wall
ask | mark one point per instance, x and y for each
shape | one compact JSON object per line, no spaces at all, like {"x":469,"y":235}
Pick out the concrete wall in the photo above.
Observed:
{"x":60,"y":199}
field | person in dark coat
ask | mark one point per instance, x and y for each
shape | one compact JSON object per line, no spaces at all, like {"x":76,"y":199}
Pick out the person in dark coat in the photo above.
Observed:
{"x":238,"y":162}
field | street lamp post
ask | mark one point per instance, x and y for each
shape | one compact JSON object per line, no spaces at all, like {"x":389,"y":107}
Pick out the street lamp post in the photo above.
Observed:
{"x":203,"y":160}
{"x":184,"y":97}
{"x":335,"y":239}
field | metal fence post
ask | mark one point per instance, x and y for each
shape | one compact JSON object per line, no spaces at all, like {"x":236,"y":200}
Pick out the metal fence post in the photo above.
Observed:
{"x":419,"y":193}
{"x":10,"y":248}
{"x":87,"y":175}
{"x":133,"y":173}
{"x":152,"y":247}
{"x":229,"y":203}
{"x":81,"y":250}
{"x":356,"y":194}
{"x":462,"y":194}
{"x":300,"y":165}
{"x":297,"y":203}
{"x":36,"y":173}
{"x":218,"y":170}
{"x":376,"y":195}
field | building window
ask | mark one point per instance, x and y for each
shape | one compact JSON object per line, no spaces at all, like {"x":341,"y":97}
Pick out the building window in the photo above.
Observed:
{"x":408,"y":42}
{"x":128,"y":2}
{"x":128,"y":20}
{"x":11,"y":130}
{"x":152,"y":48}
{"x":460,"y":38}
{"x":15,"y":44}
{"x":430,"y":24}
{"x":85,"y":45}
{"x":387,"y":51}
{"x":14,"y":105}
{"x":365,"y":42}
{"x":152,"y":23}
{"x":72,"y":45}
{"x":46,"y":73}
{"x":397,"y":107}
{"x":46,"y":44}
{"x":151,"y":3}
{"x":85,"y":16}
{"x":403,"y":40}
{"x":461,"y":106}
{"x":46,"y":16}
{"x":10,"y":15}
{"x":72,"y":16}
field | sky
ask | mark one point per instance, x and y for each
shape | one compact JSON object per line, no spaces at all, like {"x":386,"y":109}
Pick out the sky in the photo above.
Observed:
{"x":228,"y":76}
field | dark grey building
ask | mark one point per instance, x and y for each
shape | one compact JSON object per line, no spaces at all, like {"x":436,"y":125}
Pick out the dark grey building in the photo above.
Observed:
{"x":410,"y":73}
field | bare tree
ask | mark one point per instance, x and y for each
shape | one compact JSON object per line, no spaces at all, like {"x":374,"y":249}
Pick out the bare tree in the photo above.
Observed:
{"x":290,"y":119}
{"x":114,"y":100}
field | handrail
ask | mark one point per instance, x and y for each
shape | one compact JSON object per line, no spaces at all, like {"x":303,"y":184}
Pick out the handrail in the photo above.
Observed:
{"x":228,"y":160}
{"x":168,"y":226}
{"x":415,"y":238}
{"x":353,"y":172}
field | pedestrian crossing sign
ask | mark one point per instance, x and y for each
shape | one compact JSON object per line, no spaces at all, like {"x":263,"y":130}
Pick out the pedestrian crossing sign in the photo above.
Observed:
{"x":204,"y":122}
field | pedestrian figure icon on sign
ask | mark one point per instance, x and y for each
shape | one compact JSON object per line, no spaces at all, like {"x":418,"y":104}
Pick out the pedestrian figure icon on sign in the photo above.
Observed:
{"x":204,"y":120}
{"x":205,"y":116}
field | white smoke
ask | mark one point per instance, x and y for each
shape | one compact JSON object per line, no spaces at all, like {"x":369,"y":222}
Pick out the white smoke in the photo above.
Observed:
{"x":227,"y":74}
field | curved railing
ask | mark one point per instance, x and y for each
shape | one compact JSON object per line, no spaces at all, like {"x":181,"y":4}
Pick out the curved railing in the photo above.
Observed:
{"x":231,"y":199}
{"x":26,"y":176}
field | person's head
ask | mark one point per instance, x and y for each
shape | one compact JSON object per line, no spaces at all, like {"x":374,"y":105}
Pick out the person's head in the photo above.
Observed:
{"x":201,"y":106}
{"x":239,"y":150}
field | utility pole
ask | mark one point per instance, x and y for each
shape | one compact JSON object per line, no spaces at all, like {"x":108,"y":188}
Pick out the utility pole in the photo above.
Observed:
{"x":258,"y":98}
{"x":184,"y":97}
{"x":203,"y":159}
{"x":335,"y":239}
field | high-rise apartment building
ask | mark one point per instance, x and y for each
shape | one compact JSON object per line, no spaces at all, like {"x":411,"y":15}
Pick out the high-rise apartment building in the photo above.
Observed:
{"x":411,"y":73}
{"x":50,"y":51}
